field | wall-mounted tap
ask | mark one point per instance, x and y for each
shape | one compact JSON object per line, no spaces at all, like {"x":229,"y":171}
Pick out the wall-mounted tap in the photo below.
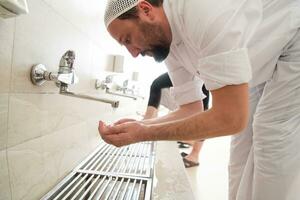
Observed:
{"x":105,"y":86}
{"x":65,"y":77}
{"x":66,"y":73}
{"x":129,"y":88}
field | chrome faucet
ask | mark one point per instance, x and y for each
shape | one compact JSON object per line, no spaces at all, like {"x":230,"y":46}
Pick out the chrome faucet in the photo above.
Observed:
{"x":65,"y":77}
{"x":66,"y":72}
{"x":105,"y":86}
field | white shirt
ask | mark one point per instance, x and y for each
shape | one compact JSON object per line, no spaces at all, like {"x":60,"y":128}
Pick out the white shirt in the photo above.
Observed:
{"x":167,"y":99}
{"x":226,"y":42}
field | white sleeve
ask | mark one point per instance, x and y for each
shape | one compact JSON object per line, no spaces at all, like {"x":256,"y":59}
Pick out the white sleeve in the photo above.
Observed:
{"x":167,"y":100}
{"x":224,"y":44}
{"x":228,"y":68}
{"x":187,"y":88}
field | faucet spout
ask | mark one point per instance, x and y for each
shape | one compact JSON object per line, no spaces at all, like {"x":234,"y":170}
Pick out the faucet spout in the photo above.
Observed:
{"x":120,"y":94}
{"x":114,"y":104}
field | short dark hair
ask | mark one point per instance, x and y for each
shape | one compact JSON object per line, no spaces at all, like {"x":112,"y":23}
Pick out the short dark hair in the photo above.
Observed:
{"x":133,"y":12}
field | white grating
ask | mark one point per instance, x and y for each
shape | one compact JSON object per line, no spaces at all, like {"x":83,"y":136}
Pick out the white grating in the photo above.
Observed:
{"x":133,"y":160}
{"x":110,"y":173}
{"x":81,"y":186}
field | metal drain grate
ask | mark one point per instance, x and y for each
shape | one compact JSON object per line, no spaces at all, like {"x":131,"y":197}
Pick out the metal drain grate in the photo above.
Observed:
{"x":110,"y":173}
{"x":133,"y":160}
{"x":82,"y":186}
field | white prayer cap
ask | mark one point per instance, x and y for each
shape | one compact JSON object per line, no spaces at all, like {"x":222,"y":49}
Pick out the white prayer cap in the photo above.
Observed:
{"x":115,"y":8}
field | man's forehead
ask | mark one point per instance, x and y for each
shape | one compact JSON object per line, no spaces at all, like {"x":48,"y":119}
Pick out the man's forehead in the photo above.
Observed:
{"x":120,"y":26}
{"x":117,"y":28}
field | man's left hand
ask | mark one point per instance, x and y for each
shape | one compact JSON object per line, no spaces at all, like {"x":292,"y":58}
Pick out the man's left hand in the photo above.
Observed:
{"x":122,"y":134}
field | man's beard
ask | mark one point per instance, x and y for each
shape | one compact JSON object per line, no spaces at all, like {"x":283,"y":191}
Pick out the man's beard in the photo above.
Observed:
{"x":160,"y":50}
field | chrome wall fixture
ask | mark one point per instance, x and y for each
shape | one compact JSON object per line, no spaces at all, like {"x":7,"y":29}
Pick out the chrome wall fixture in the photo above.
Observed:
{"x":65,"y":77}
{"x":105,"y":86}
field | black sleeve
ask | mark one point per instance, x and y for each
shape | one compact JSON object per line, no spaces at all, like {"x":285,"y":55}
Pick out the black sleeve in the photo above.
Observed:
{"x":163,"y":81}
{"x":206,"y":100}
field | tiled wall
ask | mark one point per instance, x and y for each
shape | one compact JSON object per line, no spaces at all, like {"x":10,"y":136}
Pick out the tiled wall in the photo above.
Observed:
{"x":43,"y":135}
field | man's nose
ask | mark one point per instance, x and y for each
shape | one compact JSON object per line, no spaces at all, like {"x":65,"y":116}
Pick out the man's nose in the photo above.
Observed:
{"x":133,"y":51}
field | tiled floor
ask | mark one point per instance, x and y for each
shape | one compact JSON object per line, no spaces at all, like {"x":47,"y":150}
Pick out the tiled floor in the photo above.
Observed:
{"x":209,"y":181}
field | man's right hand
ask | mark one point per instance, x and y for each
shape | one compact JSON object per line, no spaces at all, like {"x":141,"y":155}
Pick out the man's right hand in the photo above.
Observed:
{"x":121,"y":121}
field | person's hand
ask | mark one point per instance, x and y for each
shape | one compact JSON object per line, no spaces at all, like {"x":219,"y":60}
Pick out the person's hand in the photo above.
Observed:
{"x":121,"y":121}
{"x":123,"y":134}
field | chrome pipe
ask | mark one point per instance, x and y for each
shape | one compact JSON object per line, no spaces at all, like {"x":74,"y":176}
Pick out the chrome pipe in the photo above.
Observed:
{"x":114,"y":104}
{"x":121,"y":95}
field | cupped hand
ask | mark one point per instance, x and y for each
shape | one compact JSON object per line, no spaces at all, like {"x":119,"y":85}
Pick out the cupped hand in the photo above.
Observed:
{"x":121,"y":121}
{"x":124,"y":133}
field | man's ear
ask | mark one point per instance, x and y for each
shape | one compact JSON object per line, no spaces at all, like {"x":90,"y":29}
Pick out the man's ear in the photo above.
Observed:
{"x":145,"y":10}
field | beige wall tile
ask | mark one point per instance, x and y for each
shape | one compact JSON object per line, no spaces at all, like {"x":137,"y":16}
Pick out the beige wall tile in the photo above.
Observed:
{"x":5,"y":193}
{"x":6,"y":40}
{"x":27,"y":170}
{"x":46,"y":160}
{"x":64,"y":150}
{"x":87,"y":17}
{"x":35,"y":115}
{"x":30,"y":117}
{"x":3,"y":120}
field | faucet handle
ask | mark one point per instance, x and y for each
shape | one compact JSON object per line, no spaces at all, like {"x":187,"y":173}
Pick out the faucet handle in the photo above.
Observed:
{"x":67,"y":60}
{"x":70,"y":78}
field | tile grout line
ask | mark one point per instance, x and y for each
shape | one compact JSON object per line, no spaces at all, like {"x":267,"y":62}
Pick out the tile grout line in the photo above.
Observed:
{"x":9,"y":92}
